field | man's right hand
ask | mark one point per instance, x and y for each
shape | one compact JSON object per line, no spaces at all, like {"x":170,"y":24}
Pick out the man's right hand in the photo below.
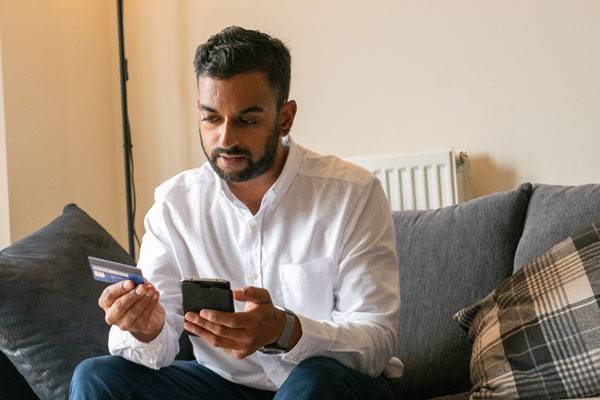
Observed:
{"x":135,"y":309}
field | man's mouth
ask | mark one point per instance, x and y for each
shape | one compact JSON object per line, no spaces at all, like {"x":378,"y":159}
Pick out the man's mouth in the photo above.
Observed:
{"x":231,"y":160}
{"x":230,"y":155}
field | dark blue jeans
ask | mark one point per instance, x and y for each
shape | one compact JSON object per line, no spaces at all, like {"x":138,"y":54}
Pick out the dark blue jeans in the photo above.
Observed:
{"x":111,"y":377}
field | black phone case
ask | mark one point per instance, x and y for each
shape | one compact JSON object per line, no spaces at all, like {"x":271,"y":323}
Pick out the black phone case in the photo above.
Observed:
{"x":197,"y":296}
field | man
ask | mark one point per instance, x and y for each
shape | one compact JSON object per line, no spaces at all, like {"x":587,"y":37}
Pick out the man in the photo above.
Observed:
{"x":285,"y":226}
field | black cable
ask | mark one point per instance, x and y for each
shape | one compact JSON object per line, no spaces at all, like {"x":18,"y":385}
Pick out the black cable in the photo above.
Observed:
{"x":134,"y":208}
{"x":127,"y":151}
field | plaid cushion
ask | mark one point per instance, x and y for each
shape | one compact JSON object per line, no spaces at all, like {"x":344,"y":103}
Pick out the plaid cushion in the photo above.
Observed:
{"x":537,"y":336}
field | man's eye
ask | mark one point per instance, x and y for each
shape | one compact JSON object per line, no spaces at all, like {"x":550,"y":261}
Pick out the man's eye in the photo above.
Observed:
{"x":209,"y":119}
{"x":247,"y":122}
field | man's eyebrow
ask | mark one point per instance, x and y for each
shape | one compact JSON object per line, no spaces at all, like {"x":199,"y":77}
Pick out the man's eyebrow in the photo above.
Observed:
{"x":207,"y":108}
{"x":251,"y":109}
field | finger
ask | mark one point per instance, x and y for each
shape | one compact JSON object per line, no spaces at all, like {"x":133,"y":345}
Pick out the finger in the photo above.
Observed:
{"x":120,"y":306}
{"x":146,"y":314}
{"x":252,"y":294}
{"x":134,"y":313}
{"x":231,"y":320}
{"x":113,"y":292}
{"x":210,"y":337}
{"x":138,"y":312}
{"x":216,"y":328}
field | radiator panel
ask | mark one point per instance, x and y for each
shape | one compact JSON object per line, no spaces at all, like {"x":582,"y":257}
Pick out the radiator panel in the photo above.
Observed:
{"x":421,"y":181}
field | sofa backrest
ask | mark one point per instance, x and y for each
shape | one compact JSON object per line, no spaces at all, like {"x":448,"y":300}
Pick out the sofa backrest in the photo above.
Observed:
{"x":450,"y":258}
{"x":553,"y":214}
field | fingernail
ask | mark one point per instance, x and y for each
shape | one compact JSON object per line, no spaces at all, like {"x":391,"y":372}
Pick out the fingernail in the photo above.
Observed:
{"x":155,"y":296}
{"x":127,"y":284}
{"x":205,"y":314}
{"x":139,"y":290}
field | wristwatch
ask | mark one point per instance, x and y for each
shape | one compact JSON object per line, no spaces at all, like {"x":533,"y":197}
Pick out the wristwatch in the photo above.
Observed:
{"x":281,"y":345}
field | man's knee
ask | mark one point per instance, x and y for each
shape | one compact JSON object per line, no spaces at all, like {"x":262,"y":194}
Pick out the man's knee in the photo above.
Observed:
{"x":316,"y":377}
{"x":326,"y":378}
{"x":91,"y":375}
{"x":318,"y":368}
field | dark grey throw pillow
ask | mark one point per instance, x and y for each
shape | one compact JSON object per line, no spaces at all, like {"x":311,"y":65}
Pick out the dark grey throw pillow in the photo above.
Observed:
{"x":450,"y":258}
{"x":49,"y":315}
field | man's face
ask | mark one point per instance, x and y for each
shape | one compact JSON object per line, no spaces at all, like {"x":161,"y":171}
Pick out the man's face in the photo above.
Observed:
{"x":239,"y":125}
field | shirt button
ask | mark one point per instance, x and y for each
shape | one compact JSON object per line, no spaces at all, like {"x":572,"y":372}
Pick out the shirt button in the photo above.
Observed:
{"x":252,"y":226}
{"x":274,"y":371}
{"x":253,"y":276}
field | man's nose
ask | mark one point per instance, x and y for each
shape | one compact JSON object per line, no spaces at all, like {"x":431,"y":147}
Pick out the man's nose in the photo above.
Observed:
{"x":229,"y":137}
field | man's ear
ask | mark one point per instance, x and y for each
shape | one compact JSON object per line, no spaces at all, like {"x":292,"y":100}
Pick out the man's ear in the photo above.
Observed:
{"x":286,"y":117}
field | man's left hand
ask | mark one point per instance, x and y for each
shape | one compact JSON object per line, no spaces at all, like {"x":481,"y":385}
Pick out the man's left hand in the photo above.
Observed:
{"x":240,"y":334}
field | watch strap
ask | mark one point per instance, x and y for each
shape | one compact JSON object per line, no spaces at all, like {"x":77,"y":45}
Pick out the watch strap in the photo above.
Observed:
{"x":283,"y":342}
{"x":288,"y":329}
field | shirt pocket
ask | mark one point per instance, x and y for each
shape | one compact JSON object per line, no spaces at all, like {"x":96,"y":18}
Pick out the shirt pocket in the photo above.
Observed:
{"x":308,"y":287}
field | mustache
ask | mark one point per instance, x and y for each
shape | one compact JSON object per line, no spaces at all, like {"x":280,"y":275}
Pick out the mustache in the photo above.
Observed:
{"x":234,"y":151}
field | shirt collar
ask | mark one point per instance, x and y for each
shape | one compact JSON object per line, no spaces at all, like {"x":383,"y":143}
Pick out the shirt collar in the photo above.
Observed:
{"x":287,"y":176}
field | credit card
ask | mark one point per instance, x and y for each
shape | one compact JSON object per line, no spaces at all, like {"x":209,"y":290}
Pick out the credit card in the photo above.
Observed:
{"x":113,"y":272}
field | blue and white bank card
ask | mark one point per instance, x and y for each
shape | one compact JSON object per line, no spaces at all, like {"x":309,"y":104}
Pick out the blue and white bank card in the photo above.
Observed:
{"x":113,"y":272}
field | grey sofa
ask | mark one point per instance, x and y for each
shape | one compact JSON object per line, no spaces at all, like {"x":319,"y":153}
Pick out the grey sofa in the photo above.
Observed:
{"x":449,"y":259}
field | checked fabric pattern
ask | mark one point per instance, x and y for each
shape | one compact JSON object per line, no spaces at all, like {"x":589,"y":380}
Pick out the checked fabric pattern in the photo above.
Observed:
{"x":537,"y":336}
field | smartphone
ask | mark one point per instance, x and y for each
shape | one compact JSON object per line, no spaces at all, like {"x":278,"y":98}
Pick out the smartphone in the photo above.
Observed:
{"x":200,"y":293}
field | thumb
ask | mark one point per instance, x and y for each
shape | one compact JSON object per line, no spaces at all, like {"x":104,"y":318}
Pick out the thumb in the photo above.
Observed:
{"x":252,"y":294}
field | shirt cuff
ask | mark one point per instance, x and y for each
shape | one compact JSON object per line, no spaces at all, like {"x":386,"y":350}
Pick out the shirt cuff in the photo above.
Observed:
{"x":124,"y":344}
{"x":313,"y":342}
{"x":394,"y":368}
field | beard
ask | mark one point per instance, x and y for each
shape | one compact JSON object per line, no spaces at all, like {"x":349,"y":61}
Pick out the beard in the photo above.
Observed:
{"x":254,"y":168}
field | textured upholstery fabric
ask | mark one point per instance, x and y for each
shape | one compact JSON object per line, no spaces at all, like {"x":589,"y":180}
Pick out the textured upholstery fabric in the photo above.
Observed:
{"x":555,"y":213}
{"x":459,"y":396}
{"x":12,"y":383}
{"x":49,"y":318}
{"x":537,"y":336}
{"x":450,"y":258}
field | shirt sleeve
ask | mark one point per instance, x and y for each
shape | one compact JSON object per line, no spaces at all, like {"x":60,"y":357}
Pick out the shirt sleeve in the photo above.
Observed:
{"x":363,"y":331}
{"x":158,"y":266}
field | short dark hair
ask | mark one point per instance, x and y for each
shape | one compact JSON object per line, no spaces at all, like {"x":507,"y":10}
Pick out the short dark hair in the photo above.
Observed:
{"x":235,"y":50}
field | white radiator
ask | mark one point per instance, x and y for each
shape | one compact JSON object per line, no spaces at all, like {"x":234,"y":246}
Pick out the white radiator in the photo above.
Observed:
{"x":421,"y":181}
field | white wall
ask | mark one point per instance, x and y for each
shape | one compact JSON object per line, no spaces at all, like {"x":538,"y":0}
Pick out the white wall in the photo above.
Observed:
{"x":63,"y":136}
{"x":517,"y":82}
{"x":4,"y":206}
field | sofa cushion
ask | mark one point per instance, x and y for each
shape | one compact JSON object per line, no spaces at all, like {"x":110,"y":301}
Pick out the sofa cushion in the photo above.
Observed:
{"x":12,"y":383}
{"x":449,"y":258}
{"x":538,"y":334}
{"x":49,"y":315}
{"x":458,"y":396}
{"x":554,"y":213}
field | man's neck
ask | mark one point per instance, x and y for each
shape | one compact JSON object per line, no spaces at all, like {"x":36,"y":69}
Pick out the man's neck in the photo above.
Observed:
{"x":252,"y":192}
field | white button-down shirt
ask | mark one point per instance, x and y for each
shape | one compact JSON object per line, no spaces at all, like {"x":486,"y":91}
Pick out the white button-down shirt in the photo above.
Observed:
{"x":322,"y":244}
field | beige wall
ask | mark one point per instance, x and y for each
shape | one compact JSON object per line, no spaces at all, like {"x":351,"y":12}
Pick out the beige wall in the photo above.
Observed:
{"x":4,"y":209}
{"x":62,"y":146}
{"x":516,"y":82}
